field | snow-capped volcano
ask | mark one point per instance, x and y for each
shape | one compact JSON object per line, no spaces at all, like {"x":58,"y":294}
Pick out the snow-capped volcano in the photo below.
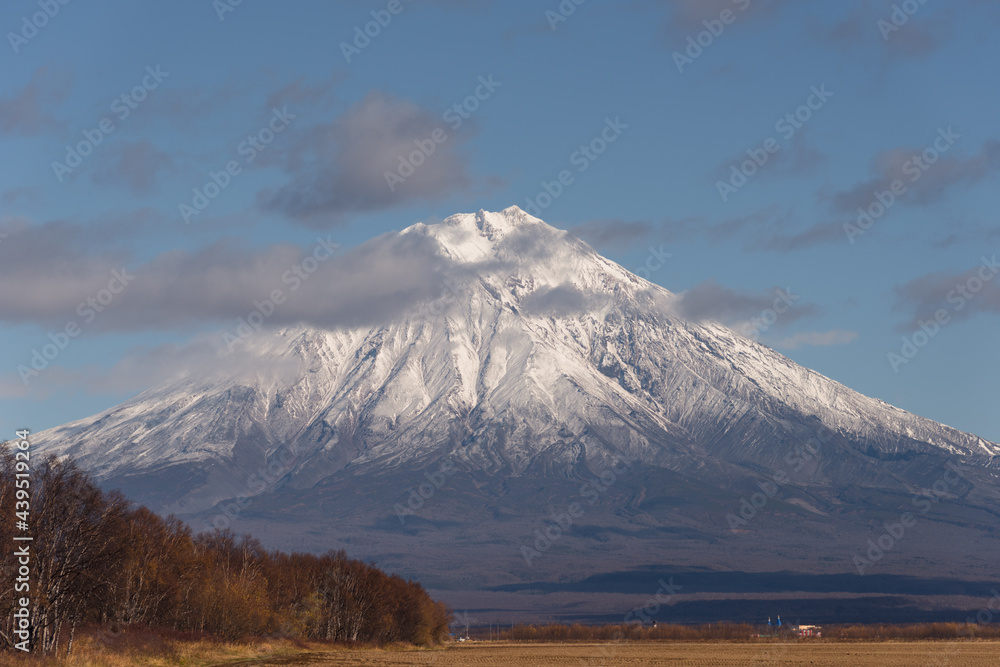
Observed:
{"x":539,"y":365}
{"x":539,"y":352}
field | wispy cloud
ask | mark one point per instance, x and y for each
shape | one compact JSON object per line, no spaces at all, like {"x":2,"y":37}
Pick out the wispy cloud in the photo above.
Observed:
{"x":21,"y":195}
{"x":133,"y":165}
{"x":216,"y":284}
{"x":712,"y":301}
{"x":301,"y":93}
{"x":932,"y":180}
{"x":883,"y":29}
{"x":613,"y":232}
{"x":142,"y":367}
{"x":340,"y":167}
{"x":29,"y":111}
{"x":822,"y":232}
{"x":555,"y":301}
{"x":687,"y":17}
{"x":960,"y":295}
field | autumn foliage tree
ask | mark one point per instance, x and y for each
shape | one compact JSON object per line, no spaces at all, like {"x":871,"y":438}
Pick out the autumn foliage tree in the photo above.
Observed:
{"x":99,"y":559}
{"x":75,"y":554}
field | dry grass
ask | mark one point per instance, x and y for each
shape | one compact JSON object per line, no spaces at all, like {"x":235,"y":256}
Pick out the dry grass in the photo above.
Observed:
{"x":96,"y":647}
{"x":137,"y":646}
{"x":672,"y":654}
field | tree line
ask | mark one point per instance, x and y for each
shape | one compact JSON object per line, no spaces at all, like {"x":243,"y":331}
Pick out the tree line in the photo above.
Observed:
{"x":98,"y":558}
{"x":554,"y":632}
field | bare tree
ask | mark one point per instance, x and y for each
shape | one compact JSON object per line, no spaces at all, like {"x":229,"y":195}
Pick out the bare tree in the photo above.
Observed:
{"x":78,"y":533}
{"x":7,"y":564}
{"x":96,"y":558}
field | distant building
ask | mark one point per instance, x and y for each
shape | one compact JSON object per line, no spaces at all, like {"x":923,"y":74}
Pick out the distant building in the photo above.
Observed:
{"x":809,"y":631}
{"x":778,"y":629}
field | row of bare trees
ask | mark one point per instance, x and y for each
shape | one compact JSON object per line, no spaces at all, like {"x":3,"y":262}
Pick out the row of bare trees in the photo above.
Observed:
{"x":96,"y":558}
{"x":745,"y":631}
{"x":628,"y":631}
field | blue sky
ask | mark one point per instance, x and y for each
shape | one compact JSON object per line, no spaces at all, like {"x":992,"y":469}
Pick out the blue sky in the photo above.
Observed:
{"x":884,"y":106}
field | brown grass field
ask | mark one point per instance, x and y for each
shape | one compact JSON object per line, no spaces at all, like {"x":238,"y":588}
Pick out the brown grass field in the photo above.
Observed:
{"x":501,"y":654}
{"x":971,"y":653}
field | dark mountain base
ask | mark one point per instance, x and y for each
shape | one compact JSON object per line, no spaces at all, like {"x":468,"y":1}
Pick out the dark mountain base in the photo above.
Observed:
{"x":538,"y":549}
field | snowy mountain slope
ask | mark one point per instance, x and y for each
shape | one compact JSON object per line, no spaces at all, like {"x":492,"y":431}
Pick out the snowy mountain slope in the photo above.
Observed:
{"x":541,"y":357}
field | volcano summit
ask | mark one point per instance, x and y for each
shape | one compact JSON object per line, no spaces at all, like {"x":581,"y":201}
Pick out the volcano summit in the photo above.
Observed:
{"x":545,"y":419}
